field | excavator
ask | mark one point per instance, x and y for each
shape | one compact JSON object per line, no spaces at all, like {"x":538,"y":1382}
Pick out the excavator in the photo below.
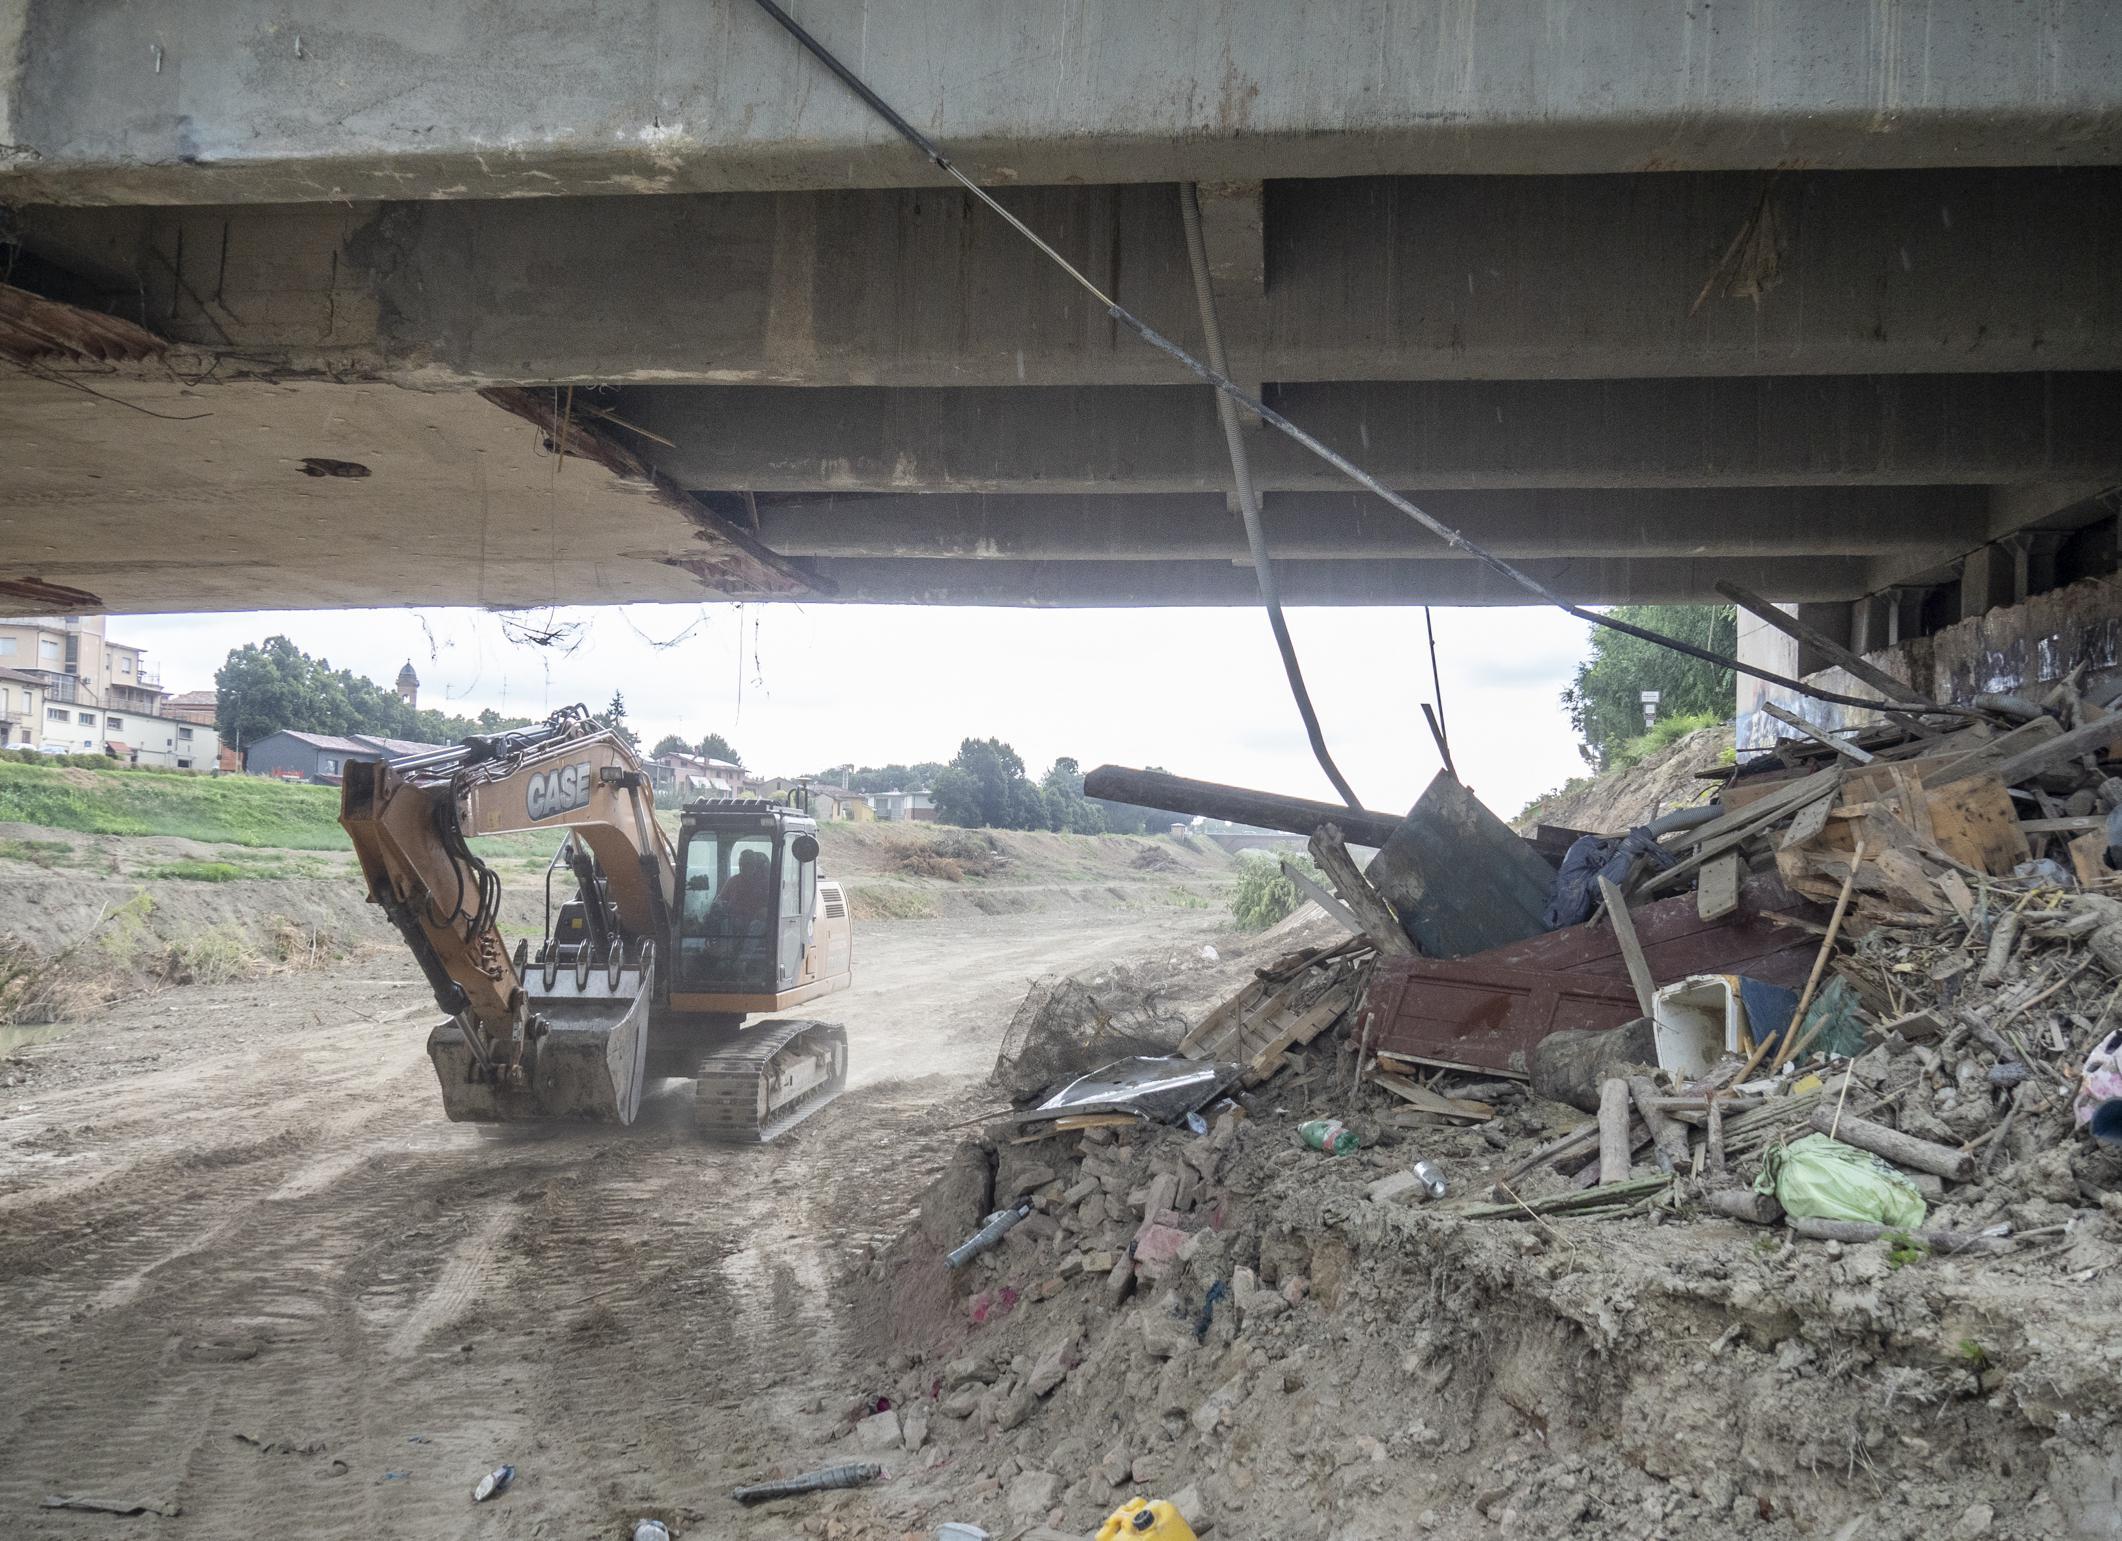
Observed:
{"x":652,"y":959}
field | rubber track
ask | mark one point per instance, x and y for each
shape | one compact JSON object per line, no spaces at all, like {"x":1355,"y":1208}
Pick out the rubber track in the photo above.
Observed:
{"x":727,"y":1092}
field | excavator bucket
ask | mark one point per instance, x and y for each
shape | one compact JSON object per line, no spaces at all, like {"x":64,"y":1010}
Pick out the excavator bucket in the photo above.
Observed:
{"x":586,"y":1057}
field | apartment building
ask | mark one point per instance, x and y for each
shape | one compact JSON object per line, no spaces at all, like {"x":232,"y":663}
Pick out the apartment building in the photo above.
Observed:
{"x":67,"y":688}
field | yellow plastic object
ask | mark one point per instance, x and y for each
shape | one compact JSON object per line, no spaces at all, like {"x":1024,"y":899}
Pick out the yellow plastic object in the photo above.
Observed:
{"x":1145,"y":1519}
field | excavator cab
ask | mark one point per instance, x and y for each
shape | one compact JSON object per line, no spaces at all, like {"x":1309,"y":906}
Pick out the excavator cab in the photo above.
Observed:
{"x":748,"y":891}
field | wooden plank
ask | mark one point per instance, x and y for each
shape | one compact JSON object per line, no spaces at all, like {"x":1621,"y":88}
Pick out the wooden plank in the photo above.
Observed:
{"x":1991,"y":756}
{"x":1631,"y":949}
{"x":1322,"y":1014}
{"x":1840,"y":746}
{"x":2087,"y":738}
{"x":1461,"y":1108}
{"x":1974,"y":823}
{"x":1717,"y":893}
{"x":1459,"y":878}
{"x":2062,"y":826}
{"x":1954,"y":887}
{"x":1721,"y":835}
{"x":1319,"y":896}
{"x":2088,"y":858}
{"x":1809,"y":823}
{"x":1858,"y":666}
{"x":1379,"y":922}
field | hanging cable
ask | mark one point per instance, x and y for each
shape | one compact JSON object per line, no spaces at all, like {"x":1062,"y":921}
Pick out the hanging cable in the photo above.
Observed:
{"x":1239,"y":395}
{"x":1241,"y":472}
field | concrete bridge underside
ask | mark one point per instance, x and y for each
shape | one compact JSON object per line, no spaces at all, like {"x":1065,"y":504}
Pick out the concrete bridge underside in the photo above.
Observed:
{"x":550,"y":304}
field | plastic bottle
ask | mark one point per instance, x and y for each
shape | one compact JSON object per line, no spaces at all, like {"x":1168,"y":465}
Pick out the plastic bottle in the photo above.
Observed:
{"x":1329,"y":1135}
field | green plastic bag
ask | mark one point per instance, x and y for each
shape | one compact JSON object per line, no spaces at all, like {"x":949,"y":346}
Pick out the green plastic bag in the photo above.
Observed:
{"x":1824,"y":1179}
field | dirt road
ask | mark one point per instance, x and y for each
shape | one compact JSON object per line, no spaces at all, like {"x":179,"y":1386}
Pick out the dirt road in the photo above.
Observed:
{"x":254,"y":1280}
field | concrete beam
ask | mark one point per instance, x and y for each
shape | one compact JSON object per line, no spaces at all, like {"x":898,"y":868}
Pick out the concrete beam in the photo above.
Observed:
{"x":1617,"y":580}
{"x":241,"y":101}
{"x":1354,"y":278}
{"x":1736,"y":523}
{"x":1932,"y":429}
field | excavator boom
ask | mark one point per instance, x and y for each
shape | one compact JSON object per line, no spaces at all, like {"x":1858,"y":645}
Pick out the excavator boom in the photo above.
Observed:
{"x":566,"y":1037}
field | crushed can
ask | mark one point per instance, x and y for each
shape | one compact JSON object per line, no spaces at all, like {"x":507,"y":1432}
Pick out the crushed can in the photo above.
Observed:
{"x":493,"y":1484}
{"x":1431,"y":1176}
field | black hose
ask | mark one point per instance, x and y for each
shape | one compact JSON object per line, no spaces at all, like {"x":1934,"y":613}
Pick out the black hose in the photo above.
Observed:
{"x":1249,"y":499}
{"x":1243,"y":398}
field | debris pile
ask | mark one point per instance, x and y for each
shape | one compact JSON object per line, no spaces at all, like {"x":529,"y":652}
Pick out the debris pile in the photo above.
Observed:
{"x":1841,"y":1243}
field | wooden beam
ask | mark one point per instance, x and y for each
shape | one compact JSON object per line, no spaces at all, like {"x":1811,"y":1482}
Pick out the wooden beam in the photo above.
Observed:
{"x":1870,"y":673}
{"x":1840,"y":746}
{"x":1631,"y":950}
{"x":1380,"y":924}
{"x":1319,"y":896}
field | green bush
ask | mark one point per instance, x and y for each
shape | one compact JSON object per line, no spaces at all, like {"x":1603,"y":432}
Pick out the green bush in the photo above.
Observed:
{"x":1263,"y":895}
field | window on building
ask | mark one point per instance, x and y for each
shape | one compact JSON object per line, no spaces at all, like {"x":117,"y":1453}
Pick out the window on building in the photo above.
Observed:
{"x":184,"y":764}
{"x":55,"y":714}
{"x":7,"y":646}
{"x":86,"y":719}
{"x":184,"y":735}
{"x":47,"y":647}
{"x":328,"y":765}
{"x":114,"y":722}
{"x":125,"y":664}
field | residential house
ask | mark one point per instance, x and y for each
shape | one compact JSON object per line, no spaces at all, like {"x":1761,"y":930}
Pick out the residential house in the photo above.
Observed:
{"x":684,"y":777}
{"x":22,"y":709}
{"x":322,"y":757}
{"x":917,"y":806}
{"x":84,"y":667}
{"x":201,"y":708}
{"x":837,"y":804}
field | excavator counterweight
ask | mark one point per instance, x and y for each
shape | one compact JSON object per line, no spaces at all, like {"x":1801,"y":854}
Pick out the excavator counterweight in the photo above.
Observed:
{"x":650,"y":961}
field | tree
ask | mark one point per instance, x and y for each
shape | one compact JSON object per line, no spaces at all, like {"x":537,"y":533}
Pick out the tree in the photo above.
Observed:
{"x":670,"y":743}
{"x":896,"y":778}
{"x":1605,"y":702}
{"x":615,"y":718}
{"x":265,"y":687}
{"x":985,"y":787}
{"x":716,"y":747}
{"x":1066,"y":806}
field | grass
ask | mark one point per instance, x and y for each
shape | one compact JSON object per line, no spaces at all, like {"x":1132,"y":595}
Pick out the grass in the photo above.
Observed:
{"x":889,"y":901}
{"x":193,"y":871}
{"x":220,"y":810}
{"x":1667,"y":732}
{"x":41,"y":853}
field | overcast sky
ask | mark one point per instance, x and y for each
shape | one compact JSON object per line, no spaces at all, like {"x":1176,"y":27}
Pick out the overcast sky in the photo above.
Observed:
{"x":798,"y":688}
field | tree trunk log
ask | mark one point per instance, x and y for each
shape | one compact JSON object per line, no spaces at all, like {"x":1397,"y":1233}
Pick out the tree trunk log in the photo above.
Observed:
{"x":1901,"y":1149}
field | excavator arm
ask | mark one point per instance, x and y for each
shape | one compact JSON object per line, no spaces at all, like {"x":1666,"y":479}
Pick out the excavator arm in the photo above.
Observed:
{"x":565,"y":1036}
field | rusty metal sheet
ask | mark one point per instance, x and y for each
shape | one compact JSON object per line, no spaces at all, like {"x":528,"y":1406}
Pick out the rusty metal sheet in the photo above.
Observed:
{"x":1486,"y":1012}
